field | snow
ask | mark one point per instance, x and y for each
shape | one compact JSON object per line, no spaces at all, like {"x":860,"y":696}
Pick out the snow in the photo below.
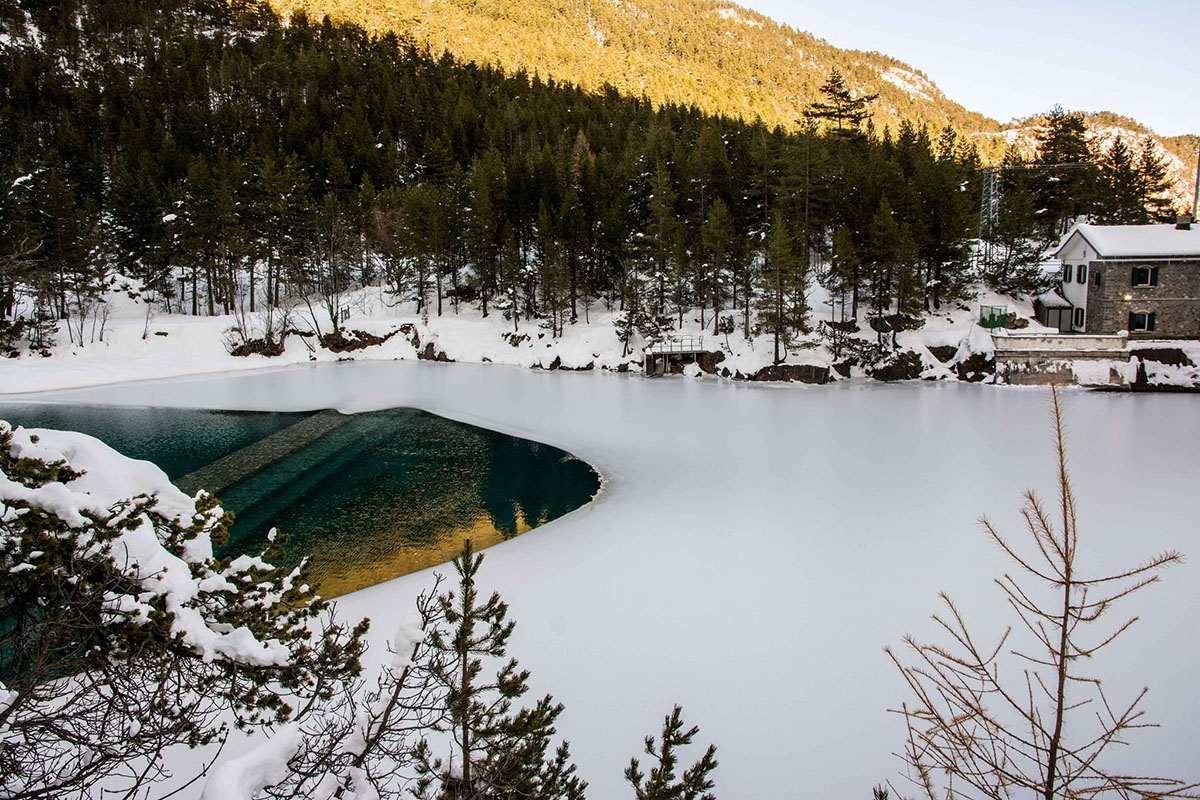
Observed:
{"x":911,"y":83}
{"x":1128,"y":241}
{"x":1052,"y":299}
{"x":243,"y":777}
{"x":1098,"y":372}
{"x":755,"y":547}
{"x":736,"y":15}
{"x":108,"y":479}
{"x":1169,"y":375}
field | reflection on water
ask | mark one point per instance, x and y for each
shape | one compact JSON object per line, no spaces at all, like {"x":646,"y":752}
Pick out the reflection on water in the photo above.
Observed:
{"x":366,"y":497}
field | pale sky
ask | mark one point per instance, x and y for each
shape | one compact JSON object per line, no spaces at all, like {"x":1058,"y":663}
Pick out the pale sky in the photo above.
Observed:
{"x":1021,"y":57}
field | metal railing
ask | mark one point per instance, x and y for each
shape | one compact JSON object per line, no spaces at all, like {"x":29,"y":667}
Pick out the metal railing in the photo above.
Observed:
{"x":677,"y":344}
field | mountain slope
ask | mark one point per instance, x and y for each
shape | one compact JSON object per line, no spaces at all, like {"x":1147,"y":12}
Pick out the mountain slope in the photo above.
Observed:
{"x":709,"y":53}
{"x":715,"y":55}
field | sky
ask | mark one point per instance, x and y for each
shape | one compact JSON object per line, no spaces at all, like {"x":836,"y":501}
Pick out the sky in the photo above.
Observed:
{"x":1018,"y":58}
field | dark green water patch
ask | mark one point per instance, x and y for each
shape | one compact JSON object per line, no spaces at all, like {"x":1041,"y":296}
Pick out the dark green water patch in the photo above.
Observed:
{"x":178,"y":440}
{"x":366,"y":497}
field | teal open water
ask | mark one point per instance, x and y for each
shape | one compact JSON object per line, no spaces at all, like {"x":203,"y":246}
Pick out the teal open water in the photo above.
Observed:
{"x":366,"y":496}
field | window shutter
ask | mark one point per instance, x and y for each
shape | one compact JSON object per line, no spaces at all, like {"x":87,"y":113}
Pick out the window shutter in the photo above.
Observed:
{"x":1130,"y":327}
{"x":1133,"y":277}
{"x":1154,"y":277}
{"x":1150,"y":321}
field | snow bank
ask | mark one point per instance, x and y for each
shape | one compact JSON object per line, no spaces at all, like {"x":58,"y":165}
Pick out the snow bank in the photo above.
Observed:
{"x":142,"y":344}
{"x":108,"y":484}
{"x":243,"y":777}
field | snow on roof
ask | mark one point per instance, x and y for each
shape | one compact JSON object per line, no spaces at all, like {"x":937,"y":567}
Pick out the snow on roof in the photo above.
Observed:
{"x":1053,"y":299}
{"x":1153,"y":241}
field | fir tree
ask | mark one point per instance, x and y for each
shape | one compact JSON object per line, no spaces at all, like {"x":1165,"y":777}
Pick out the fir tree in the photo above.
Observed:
{"x":840,"y":107}
{"x":1122,"y":202}
{"x":499,"y":752}
{"x":1065,"y":186}
{"x":663,"y":782}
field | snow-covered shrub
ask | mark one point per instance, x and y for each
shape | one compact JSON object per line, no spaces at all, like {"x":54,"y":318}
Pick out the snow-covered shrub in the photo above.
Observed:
{"x":121,"y":634}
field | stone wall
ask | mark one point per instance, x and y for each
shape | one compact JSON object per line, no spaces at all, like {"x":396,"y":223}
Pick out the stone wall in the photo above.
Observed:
{"x":1175,"y":301}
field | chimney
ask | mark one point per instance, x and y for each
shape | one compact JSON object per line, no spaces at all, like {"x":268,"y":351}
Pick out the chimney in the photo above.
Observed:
{"x":1183,"y":222}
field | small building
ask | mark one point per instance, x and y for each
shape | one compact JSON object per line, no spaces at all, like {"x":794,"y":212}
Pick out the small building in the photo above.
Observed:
{"x":1054,"y":311}
{"x":1144,"y":279}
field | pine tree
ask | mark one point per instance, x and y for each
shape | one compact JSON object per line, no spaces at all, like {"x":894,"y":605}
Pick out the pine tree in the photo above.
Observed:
{"x":880,"y":259}
{"x":663,"y":783}
{"x":1121,"y":199}
{"x":782,"y":282}
{"x":1016,"y":254}
{"x":499,"y":752}
{"x":719,"y":242}
{"x":1065,"y":187}
{"x":846,"y":111}
{"x":104,"y":663}
{"x":1153,"y":184}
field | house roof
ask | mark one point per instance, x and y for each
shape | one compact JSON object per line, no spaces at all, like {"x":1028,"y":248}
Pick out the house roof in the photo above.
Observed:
{"x":1126,"y":241}
{"x":1053,"y":299}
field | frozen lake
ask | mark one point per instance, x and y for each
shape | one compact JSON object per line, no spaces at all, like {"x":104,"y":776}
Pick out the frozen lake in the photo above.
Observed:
{"x":755,"y":547}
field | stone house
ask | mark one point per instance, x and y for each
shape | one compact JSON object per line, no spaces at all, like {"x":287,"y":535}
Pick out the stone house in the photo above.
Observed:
{"x":1141,"y":278}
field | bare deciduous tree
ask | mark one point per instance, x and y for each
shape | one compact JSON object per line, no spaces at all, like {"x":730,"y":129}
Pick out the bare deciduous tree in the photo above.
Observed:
{"x":980,"y":727}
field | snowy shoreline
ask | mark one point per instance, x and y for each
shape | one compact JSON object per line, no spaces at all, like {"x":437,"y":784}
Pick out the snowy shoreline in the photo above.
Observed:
{"x":140,"y":345}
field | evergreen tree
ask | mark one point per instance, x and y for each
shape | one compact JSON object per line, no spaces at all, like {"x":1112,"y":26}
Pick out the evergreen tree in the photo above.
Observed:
{"x":1016,"y":254}
{"x":663,"y":782}
{"x":1065,"y":186}
{"x":840,"y":107}
{"x":882,"y":258}
{"x":499,"y":752}
{"x":1153,"y":184}
{"x":782,"y":281}
{"x":1121,"y":200}
{"x":106,"y":662}
{"x":719,"y":242}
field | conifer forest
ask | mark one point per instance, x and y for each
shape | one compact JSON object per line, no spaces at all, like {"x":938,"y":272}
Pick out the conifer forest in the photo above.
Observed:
{"x":230,"y":161}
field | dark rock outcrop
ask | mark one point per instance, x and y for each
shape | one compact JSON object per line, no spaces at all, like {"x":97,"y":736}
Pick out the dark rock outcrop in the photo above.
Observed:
{"x":903,"y":366}
{"x":976,"y":367}
{"x":944,"y":354}
{"x":260,"y":347}
{"x":431,"y":354}
{"x":801,"y":373}
{"x":340,"y":342}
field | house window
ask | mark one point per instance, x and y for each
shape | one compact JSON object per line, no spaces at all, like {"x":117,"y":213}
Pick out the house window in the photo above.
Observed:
{"x":1144,"y":276}
{"x":1067,"y":270}
{"x":1096,"y":278}
{"x":1141,"y":321}
{"x":1079,"y":318}
{"x":1081,"y":274}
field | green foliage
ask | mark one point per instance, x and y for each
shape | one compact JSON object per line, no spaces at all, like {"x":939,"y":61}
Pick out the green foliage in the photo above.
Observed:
{"x":109,"y":661}
{"x":499,"y":752}
{"x":684,"y":53}
{"x":663,"y":782}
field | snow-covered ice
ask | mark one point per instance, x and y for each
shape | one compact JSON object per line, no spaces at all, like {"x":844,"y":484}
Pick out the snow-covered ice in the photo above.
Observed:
{"x":756,"y":546}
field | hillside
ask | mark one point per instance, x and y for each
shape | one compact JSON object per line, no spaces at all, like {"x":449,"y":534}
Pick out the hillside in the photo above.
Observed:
{"x":709,"y":53}
{"x":715,"y":55}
